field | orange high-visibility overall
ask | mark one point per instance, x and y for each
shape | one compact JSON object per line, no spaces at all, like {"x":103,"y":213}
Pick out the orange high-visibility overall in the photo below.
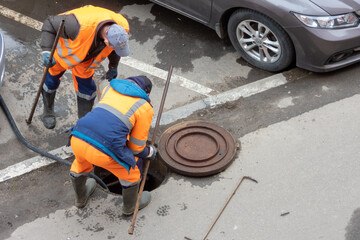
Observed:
{"x":70,"y":53}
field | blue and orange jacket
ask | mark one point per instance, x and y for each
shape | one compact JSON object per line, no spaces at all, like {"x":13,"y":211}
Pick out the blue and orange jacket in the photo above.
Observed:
{"x":119,"y":124}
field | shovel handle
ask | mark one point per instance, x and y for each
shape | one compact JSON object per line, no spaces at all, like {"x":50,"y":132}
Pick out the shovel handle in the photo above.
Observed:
{"x":28,"y":121}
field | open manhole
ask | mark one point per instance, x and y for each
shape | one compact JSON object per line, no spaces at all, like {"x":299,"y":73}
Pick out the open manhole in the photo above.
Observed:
{"x":197,"y":148}
{"x":155,"y":177}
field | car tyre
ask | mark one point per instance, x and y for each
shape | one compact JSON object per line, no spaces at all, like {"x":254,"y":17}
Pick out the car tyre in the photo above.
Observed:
{"x":260,"y":40}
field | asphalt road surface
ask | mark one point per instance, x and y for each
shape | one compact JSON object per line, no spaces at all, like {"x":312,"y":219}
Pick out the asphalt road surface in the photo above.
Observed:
{"x":209,"y":82}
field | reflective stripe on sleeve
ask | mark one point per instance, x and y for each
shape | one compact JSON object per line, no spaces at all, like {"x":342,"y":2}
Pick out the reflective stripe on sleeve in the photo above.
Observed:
{"x":137,"y":142}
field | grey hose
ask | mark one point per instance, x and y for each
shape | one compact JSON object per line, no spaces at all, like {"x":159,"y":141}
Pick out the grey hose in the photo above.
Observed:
{"x":37,"y":150}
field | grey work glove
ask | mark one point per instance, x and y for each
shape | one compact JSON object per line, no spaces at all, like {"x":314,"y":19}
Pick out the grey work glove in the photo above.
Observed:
{"x":46,"y":60}
{"x":111,"y":74}
{"x":152,"y":152}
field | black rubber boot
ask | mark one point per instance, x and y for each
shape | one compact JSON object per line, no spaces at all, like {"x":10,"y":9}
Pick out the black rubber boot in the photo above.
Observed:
{"x":83,"y":187}
{"x":84,"y":106}
{"x":48,"y":117}
{"x":130,"y":196}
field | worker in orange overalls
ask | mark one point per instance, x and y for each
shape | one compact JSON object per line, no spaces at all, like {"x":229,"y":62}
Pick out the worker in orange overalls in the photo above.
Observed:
{"x":113,"y":136}
{"x":90,"y":35}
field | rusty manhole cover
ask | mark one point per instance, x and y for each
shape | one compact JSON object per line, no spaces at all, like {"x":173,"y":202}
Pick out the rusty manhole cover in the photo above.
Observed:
{"x":197,"y":148}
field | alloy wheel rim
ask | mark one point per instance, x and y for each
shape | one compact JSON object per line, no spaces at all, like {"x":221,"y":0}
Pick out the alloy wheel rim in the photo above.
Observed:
{"x":258,"y":41}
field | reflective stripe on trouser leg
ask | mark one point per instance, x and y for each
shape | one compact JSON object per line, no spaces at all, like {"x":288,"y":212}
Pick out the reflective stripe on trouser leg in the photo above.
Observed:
{"x":139,"y":165}
{"x":86,"y":156}
{"x":52,"y":79}
{"x":126,"y":184}
{"x":85,"y":88}
{"x":83,"y":81}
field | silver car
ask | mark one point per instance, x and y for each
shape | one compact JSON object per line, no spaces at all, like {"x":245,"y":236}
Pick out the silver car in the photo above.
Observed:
{"x":316,"y":35}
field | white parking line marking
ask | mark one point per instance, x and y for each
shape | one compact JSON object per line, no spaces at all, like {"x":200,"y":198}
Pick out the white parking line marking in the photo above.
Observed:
{"x":167,"y":117}
{"x":6,"y":12}
{"x":131,"y":62}
{"x":221,"y":98}
{"x":24,"y":167}
{"x":33,"y":164}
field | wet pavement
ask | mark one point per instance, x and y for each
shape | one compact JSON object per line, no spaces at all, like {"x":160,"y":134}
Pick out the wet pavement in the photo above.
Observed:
{"x":306,"y":168}
{"x":297,"y":131}
{"x":152,"y":29}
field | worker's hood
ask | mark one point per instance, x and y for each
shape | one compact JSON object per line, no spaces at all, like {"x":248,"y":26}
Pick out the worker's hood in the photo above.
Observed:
{"x":336,"y":7}
{"x":128,"y":88}
{"x":2,"y":59}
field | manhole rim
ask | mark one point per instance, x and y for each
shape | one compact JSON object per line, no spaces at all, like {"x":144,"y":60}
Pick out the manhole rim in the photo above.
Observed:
{"x":231,"y":146}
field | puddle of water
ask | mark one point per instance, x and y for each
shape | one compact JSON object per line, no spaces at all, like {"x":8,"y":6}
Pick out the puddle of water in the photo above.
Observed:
{"x":10,"y":42}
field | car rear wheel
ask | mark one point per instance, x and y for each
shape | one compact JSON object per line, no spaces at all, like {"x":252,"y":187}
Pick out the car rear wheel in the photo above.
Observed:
{"x":260,"y":40}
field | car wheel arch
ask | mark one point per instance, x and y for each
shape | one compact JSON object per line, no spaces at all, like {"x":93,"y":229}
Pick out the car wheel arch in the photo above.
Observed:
{"x":225,"y":19}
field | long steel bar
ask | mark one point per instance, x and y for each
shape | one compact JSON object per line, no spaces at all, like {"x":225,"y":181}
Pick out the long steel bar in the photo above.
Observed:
{"x":147,"y":162}
{"x":28,"y":121}
{"x":228,"y":200}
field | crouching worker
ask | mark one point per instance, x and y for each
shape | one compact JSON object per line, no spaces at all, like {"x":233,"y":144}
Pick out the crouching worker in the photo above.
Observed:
{"x":113,"y":136}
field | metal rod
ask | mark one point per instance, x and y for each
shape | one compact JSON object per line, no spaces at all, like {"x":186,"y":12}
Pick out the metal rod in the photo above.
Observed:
{"x":113,"y":183}
{"x":98,"y":92}
{"x":28,"y":121}
{"x":228,"y":200}
{"x":147,"y":162}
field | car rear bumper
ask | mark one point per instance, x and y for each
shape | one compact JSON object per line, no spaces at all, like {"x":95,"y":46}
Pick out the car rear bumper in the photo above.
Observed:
{"x":325,"y":50}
